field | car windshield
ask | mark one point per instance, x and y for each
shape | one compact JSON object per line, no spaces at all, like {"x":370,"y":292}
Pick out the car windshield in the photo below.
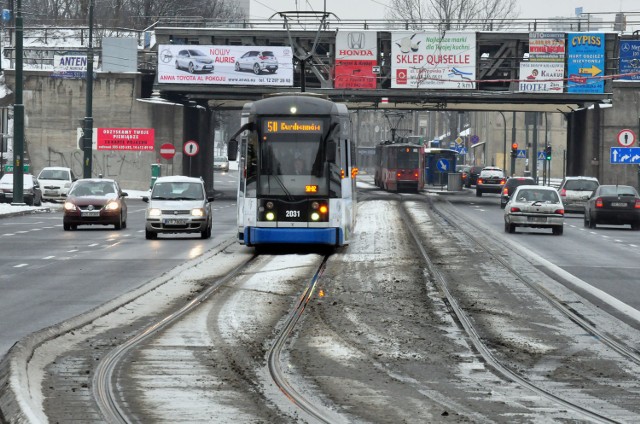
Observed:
{"x":54,"y":174}
{"x":219,"y":159}
{"x":182,"y":190}
{"x":581,"y":185}
{"x":93,"y":189}
{"x":532,"y":195}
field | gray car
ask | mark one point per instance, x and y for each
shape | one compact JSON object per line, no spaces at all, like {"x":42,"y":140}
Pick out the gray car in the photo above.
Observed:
{"x":178,"y":204}
{"x":535,"y":207}
{"x":575,"y":191}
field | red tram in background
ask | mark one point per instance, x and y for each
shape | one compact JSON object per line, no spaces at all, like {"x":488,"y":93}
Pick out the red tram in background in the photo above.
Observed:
{"x":399,"y":166}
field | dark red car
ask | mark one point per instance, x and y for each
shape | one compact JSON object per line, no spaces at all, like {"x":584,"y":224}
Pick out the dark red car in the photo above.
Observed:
{"x":95,"y":201}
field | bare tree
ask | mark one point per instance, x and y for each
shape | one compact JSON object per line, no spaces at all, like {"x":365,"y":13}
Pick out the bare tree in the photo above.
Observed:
{"x":453,"y":14}
{"x":135,"y":14}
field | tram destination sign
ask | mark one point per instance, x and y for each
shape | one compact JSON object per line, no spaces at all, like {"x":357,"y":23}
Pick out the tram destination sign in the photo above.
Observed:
{"x":287,"y":126}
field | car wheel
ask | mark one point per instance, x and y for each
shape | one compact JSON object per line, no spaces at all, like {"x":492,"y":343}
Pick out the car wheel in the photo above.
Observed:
{"x":586,"y":221}
{"x":635,"y":226}
{"x":502,"y":205}
{"x":506,"y":227}
{"x":478,"y":193}
{"x":256,"y":69}
{"x":118,"y":225}
{"x":512,"y":228}
{"x":237,"y":67}
{"x":191,"y":70}
{"x":557,"y":231}
{"x":206,"y":233}
{"x":592,"y":223}
{"x":66,"y":227}
{"x":28,"y":201}
{"x":38,"y":202}
{"x":150,"y":235}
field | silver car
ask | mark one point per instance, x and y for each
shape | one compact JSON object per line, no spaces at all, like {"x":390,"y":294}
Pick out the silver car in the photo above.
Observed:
{"x":194,"y":61}
{"x":257,"y":61}
{"x":178,"y":205}
{"x":535,"y":207}
{"x":55,"y":182}
{"x":575,"y":191}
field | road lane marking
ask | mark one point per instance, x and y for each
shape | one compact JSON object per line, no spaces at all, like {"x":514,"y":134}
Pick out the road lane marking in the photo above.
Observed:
{"x":20,"y":265}
{"x":93,"y":245}
{"x":72,"y":250}
{"x":48,"y":257}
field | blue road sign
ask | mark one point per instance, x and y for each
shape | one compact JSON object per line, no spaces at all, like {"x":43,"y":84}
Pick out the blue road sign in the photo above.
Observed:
{"x":630,"y":59}
{"x":462,"y":151}
{"x":541,"y":156}
{"x":475,"y":139}
{"x":442,"y":165}
{"x":625,"y":155}
{"x":521,"y":154}
{"x":585,"y":62}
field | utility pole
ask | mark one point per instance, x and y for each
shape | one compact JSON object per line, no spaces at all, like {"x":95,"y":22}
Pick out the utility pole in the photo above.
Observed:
{"x":18,"y":116}
{"x":87,"y":133}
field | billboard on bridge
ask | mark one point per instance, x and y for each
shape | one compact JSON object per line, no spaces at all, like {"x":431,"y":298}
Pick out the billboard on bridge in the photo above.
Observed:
{"x":225,"y":65}
{"x":586,"y":62}
{"x":356,"y":57}
{"x":433,"y":60}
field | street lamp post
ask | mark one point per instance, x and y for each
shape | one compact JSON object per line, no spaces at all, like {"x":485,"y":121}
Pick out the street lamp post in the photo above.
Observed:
{"x":88,"y":119}
{"x":18,"y":116}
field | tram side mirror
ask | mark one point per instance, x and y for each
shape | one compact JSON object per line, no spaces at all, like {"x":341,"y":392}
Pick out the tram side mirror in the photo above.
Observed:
{"x":232,"y":149}
{"x":331,"y":151}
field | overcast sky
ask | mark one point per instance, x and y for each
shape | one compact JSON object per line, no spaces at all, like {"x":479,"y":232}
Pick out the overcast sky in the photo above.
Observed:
{"x":375,"y":9}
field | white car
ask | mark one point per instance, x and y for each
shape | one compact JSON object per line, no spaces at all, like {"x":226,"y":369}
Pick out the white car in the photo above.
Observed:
{"x":535,"y":207}
{"x":55,"y":182}
{"x":221,"y":163}
{"x":257,"y":61}
{"x":194,"y":61}
{"x":178,"y":204}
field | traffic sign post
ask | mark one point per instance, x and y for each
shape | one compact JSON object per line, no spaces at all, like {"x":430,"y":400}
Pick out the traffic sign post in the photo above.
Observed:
{"x":191,"y":148}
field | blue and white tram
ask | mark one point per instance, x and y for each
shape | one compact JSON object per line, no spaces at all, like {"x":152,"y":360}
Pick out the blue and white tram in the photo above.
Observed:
{"x":296,"y":172}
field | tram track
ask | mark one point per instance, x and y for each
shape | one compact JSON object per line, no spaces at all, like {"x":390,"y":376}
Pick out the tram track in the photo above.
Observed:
{"x":477,"y":340}
{"x":103,"y":382}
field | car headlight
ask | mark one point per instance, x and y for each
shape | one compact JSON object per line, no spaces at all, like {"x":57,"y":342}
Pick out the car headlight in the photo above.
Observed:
{"x":67,"y":185}
{"x":68,"y":206}
{"x":154,"y":212}
{"x":112,"y":206}
{"x":197,"y":212}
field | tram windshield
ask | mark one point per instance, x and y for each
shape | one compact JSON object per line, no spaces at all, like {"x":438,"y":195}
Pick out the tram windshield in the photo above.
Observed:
{"x":408,"y":160}
{"x":292,"y":162}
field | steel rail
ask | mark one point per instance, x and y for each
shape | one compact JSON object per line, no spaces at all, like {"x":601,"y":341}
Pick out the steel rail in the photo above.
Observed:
{"x":319,"y":413}
{"x":103,"y":381}
{"x":630,"y":353}
{"x":475,"y":338}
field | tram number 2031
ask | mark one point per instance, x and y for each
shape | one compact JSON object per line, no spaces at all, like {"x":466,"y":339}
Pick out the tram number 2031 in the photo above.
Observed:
{"x":292,"y":214}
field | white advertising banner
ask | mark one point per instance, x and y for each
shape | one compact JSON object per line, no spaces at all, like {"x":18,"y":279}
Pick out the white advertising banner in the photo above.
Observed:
{"x":432,"y":60}
{"x":541,"y":77}
{"x":225,"y":65}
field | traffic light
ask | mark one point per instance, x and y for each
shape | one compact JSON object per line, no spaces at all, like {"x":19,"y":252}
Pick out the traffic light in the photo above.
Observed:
{"x":514,"y":150}
{"x":547,"y":153}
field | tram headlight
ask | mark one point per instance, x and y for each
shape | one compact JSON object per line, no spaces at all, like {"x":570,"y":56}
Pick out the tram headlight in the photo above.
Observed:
{"x":315,"y":205}
{"x":315,"y":216}
{"x":270,"y":216}
{"x":269,"y":205}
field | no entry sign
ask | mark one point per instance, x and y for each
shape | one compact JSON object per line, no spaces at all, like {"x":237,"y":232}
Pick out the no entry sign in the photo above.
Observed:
{"x":167,"y":150}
